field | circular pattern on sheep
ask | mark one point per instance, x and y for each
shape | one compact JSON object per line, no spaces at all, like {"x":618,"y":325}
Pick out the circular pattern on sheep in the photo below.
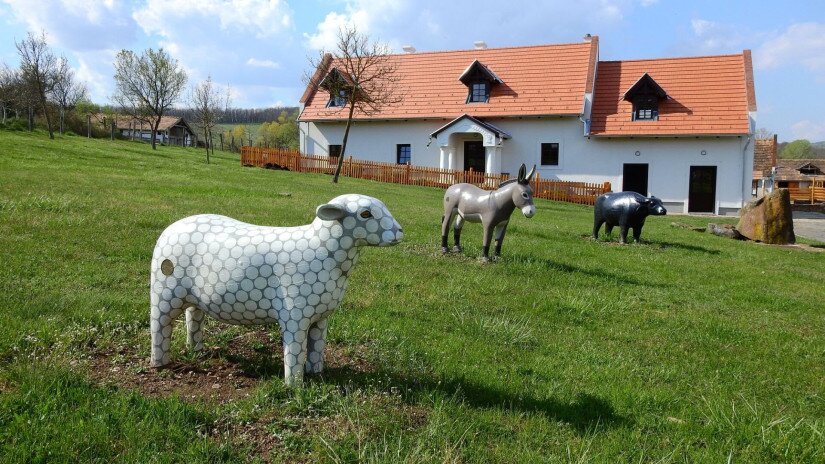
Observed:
{"x":246,"y":274}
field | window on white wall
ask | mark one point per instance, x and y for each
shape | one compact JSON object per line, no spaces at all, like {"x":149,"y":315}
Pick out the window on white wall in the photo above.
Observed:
{"x":403,"y":153}
{"x":334,"y":151}
{"x":549,"y":154}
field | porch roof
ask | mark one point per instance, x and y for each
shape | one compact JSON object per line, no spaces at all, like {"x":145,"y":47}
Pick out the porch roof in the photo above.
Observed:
{"x":486,"y":125}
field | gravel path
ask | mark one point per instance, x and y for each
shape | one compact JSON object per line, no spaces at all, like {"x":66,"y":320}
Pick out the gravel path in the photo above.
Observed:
{"x":809,"y":225}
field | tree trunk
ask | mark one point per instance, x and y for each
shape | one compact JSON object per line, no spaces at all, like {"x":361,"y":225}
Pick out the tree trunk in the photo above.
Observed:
{"x":343,"y":145}
{"x":155,"y":133}
{"x":62,"y":117}
{"x":206,"y":143}
{"x":31,"y":119}
{"x":46,"y":115}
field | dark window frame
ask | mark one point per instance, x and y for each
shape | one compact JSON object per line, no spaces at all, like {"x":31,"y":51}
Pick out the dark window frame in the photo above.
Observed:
{"x":337,"y":101}
{"x":646,"y":108}
{"x":479,"y":92}
{"x":337,"y":149}
{"x":400,"y":155}
{"x":550,"y":146}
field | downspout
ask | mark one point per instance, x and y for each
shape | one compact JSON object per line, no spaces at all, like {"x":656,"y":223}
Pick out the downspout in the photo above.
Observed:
{"x":744,"y":174}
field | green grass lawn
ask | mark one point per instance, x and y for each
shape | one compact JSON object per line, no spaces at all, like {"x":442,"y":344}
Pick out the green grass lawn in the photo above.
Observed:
{"x":688,"y":347}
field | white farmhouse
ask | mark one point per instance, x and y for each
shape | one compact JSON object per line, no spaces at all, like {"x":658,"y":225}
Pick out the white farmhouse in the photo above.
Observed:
{"x":678,"y":128}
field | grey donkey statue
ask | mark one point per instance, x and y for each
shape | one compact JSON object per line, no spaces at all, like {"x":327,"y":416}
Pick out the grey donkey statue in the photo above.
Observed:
{"x":491,"y":209}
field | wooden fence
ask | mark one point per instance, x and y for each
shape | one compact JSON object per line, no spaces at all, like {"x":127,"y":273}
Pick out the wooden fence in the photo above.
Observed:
{"x":813,"y":194}
{"x":406,"y":174}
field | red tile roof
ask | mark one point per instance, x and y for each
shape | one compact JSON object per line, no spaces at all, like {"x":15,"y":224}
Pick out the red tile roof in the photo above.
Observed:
{"x":709,"y":95}
{"x":538,"y":80}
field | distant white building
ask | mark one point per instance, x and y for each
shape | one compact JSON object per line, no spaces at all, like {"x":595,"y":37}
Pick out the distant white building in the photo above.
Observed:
{"x":678,"y":128}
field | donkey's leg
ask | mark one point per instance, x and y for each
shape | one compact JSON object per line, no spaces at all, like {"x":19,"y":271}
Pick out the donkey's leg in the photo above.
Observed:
{"x":316,"y":342}
{"x":295,"y":357}
{"x":446,"y":220}
{"x":488,"y":236}
{"x":459,"y":223}
{"x":194,"y":332}
{"x":501,"y":229}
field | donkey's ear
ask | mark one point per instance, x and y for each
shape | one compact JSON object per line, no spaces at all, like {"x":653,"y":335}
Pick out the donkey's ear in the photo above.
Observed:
{"x":331,"y":212}
{"x":522,"y":171}
{"x":531,"y":174}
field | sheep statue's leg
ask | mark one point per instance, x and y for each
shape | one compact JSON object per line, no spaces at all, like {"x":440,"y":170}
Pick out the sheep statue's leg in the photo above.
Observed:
{"x":194,"y":332}
{"x":161,"y":329}
{"x":295,"y":356}
{"x":315,"y":347}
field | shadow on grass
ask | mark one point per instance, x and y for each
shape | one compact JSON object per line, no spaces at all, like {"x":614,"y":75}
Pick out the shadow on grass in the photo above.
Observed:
{"x":682,"y":246}
{"x":570,"y":269}
{"x":585,"y":414}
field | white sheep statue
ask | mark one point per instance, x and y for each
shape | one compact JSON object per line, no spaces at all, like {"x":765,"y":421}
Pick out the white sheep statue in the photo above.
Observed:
{"x":251,"y":275}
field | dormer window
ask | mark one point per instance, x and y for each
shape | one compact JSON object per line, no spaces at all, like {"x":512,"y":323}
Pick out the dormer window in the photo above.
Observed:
{"x":339,"y":85}
{"x":479,"y":80}
{"x":645,"y":95}
{"x":337,"y":100}
{"x":479,"y":92}
{"x":646,"y":108}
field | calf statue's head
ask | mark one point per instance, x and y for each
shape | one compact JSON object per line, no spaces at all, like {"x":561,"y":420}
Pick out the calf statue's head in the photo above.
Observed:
{"x":357,"y":220}
{"x":654,"y":206}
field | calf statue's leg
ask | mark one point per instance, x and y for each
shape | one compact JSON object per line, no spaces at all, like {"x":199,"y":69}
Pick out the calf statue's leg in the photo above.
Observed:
{"x":637,"y":234}
{"x":194,"y":332}
{"x":608,"y":229}
{"x":459,"y":223}
{"x":295,"y":356}
{"x":316,"y":343}
{"x":501,"y":229}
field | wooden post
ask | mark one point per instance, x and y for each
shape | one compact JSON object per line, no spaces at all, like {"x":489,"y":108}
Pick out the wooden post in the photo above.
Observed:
{"x":112,"y":132}
{"x":88,"y":126}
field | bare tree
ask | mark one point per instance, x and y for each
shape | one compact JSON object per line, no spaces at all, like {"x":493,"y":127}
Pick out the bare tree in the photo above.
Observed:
{"x":207,"y":105}
{"x":9,"y":85}
{"x":359,"y":75}
{"x":148,"y":85}
{"x":764,"y":133}
{"x":38,"y":67}
{"x":67,"y":91}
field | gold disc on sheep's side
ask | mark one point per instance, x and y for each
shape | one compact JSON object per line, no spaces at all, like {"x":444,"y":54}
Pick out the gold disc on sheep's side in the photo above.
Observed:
{"x":166,"y":267}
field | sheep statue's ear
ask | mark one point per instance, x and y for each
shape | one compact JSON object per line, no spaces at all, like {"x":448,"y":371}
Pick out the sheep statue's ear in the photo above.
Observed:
{"x":331,"y":212}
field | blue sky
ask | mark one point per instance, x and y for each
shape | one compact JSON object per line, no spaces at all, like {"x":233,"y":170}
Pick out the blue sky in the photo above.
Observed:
{"x":260,"y":48}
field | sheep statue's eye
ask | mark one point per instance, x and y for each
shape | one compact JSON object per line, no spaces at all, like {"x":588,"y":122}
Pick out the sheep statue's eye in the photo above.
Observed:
{"x":366,"y":214}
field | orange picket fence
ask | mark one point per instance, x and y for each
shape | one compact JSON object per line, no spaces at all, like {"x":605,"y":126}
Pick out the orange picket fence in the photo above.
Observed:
{"x":813,"y":194}
{"x":406,"y":174}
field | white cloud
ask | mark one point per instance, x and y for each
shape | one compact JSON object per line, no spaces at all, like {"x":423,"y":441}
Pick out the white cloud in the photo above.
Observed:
{"x":713,"y":37}
{"x":78,"y":24}
{"x":802,"y":43}
{"x":809,"y":130}
{"x":362,"y":14}
{"x":263,"y":18}
{"x":256,"y":63}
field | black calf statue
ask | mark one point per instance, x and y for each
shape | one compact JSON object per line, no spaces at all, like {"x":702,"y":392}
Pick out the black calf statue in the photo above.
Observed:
{"x":628,"y":210}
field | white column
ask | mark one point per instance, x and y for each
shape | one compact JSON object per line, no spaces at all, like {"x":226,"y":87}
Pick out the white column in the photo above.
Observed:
{"x":450,"y":158}
{"x":493,"y":164}
{"x":442,"y":159}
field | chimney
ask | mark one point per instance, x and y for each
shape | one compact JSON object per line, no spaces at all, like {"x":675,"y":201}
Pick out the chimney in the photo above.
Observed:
{"x":480,"y":45}
{"x":587,"y":37}
{"x":408,"y":49}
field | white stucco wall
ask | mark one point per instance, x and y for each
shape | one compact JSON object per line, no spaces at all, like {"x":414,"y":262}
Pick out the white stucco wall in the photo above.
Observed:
{"x":580,"y":158}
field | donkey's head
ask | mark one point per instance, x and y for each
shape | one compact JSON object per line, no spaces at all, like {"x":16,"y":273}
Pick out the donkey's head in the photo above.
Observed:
{"x":521,"y":192}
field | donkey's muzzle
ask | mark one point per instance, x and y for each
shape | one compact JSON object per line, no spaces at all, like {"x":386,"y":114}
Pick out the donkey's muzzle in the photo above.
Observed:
{"x":528,"y":211}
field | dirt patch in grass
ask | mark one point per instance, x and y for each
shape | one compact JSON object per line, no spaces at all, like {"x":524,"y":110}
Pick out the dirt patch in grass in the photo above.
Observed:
{"x":220,"y":374}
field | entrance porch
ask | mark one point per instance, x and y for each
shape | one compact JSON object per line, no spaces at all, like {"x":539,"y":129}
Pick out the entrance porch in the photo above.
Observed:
{"x":470,"y":144}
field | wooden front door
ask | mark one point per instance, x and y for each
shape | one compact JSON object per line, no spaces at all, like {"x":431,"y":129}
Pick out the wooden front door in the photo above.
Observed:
{"x":474,"y":156}
{"x":702,"y":190}
{"x":634,"y":178}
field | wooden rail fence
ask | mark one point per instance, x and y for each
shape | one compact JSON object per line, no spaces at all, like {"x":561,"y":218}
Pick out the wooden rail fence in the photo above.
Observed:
{"x":406,"y":174}
{"x":813,"y":194}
